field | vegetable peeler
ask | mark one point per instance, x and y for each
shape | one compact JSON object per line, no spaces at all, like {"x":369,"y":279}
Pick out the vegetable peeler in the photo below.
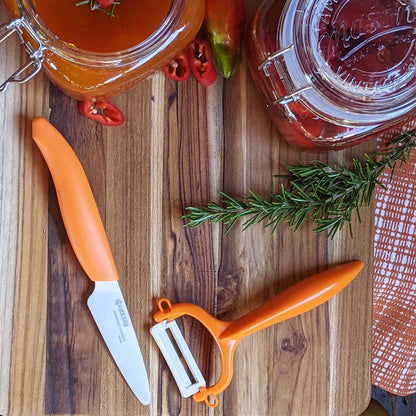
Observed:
{"x":294,"y":301}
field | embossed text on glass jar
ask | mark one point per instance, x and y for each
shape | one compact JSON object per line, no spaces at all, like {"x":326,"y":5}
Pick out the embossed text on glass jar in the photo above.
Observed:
{"x":334,"y":72}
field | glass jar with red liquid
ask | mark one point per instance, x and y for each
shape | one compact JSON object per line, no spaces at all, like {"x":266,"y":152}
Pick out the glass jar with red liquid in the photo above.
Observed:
{"x":335,"y":73}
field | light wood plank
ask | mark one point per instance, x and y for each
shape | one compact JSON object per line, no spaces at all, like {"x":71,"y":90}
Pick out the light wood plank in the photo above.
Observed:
{"x":23,"y":243}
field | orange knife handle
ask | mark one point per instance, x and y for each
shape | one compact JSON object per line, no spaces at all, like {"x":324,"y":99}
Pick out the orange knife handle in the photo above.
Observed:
{"x":294,"y":301}
{"x":78,"y":208}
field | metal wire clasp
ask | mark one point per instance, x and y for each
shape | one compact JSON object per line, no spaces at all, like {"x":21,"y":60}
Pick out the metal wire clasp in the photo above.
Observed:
{"x":274,"y":59}
{"x":36,"y":56}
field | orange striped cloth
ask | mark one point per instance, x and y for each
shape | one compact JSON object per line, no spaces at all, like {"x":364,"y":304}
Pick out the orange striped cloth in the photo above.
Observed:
{"x":394,"y":290}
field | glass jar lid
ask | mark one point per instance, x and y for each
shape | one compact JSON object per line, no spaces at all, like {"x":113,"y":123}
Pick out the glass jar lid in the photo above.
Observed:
{"x":138,"y":54}
{"x":351,"y":60}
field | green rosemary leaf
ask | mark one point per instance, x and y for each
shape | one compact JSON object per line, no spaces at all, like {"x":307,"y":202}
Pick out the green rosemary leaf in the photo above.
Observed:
{"x":95,"y":5}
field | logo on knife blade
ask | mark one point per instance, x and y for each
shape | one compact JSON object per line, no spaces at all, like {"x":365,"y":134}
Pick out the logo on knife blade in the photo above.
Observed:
{"x":122,"y":312}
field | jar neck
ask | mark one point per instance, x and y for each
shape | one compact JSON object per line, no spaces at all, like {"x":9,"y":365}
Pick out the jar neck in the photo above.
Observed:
{"x":138,"y":54}
{"x":331,"y":91}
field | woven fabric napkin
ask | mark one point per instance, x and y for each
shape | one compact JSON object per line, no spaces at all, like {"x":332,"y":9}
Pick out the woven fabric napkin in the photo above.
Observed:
{"x":394,"y":282}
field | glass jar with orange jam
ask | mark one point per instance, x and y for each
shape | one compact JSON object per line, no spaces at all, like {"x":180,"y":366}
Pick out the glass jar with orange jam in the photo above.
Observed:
{"x":334,"y":73}
{"x":95,"y":53}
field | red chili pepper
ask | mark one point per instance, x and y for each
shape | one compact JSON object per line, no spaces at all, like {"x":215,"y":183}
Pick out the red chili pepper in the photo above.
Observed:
{"x":225,"y":24}
{"x":200,"y":60}
{"x":104,"y":3}
{"x":299,"y":109}
{"x":102,"y":111}
{"x":311,"y":127}
{"x":178,"y":68}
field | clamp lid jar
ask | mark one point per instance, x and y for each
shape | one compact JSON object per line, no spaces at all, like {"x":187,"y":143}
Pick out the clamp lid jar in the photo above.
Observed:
{"x":95,"y":53}
{"x":335,"y":72}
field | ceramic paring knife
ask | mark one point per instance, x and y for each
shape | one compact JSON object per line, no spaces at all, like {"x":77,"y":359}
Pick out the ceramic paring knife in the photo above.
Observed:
{"x":88,"y":239}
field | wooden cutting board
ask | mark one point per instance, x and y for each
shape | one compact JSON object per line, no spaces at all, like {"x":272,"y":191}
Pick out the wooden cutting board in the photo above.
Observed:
{"x":181,"y":145}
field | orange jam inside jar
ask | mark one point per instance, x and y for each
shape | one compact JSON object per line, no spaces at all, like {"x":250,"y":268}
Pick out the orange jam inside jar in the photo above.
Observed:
{"x":103,"y":52}
{"x":335,"y":73}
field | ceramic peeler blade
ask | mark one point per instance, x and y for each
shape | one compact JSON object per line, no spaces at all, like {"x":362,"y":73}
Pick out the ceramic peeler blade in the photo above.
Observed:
{"x":188,"y":382}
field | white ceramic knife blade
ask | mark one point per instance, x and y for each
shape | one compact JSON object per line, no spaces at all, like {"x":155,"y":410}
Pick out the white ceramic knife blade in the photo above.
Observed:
{"x":89,"y":241}
{"x":110,"y":313}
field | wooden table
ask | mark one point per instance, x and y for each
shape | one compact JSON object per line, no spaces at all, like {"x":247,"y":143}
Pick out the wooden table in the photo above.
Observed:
{"x":181,"y":145}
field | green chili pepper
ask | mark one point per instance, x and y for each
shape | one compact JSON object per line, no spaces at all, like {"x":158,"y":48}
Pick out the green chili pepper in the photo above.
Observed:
{"x":225,"y":24}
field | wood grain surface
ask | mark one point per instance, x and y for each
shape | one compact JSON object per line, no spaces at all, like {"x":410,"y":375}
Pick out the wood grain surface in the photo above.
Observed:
{"x":181,"y":145}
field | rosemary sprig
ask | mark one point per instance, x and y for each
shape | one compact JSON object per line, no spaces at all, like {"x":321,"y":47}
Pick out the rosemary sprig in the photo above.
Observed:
{"x":95,"y":5}
{"x":326,"y":195}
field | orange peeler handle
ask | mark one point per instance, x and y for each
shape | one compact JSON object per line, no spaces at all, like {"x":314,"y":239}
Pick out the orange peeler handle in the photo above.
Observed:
{"x":78,"y":208}
{"x":295,"y":300}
